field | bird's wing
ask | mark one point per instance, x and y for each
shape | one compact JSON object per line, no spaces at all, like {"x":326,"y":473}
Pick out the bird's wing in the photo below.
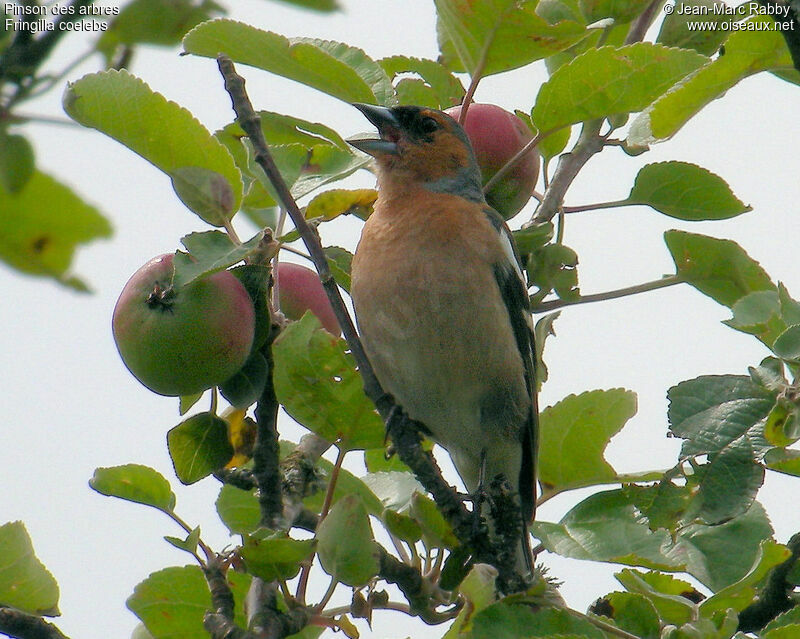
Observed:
{"x":514,"y":291}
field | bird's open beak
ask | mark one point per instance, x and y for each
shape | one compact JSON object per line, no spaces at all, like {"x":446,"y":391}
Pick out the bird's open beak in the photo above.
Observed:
{"x":388,"y":128}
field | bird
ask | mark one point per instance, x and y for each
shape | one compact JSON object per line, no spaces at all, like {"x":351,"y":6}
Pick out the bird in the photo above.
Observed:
{"x":441,"y":303}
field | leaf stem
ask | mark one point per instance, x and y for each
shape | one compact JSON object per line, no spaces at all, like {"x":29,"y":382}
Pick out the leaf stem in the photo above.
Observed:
{"x":606,"y":627}
{"x":597,"y":206}
{"x":328,"y":595}
{"x":669,"y":280}
{"x":337,"y":466}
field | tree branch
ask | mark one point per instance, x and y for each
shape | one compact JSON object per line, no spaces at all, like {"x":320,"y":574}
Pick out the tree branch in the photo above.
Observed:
{"x":21,"y":625}
{"x":266,"y":454}
{"x":569,"y":164}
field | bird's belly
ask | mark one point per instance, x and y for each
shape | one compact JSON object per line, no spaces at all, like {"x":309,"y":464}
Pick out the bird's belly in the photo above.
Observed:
{"x":460,"y":381}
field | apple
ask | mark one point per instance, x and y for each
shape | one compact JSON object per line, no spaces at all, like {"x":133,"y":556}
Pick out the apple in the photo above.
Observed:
{"x":185,"y":340}
{"x":496,"y":136}
{"x":300,"y":290}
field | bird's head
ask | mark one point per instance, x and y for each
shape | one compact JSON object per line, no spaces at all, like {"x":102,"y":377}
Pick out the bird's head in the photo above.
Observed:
{"x":423,"y":146}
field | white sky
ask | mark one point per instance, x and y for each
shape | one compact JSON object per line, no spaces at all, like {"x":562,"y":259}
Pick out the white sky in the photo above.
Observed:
{"x":70,"y":406}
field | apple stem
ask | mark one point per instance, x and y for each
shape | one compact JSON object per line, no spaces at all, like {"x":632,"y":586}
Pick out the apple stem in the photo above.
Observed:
{"x":161,"y":297}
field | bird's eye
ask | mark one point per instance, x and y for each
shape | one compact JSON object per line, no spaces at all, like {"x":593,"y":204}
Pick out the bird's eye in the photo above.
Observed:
{"x":429,"y":125}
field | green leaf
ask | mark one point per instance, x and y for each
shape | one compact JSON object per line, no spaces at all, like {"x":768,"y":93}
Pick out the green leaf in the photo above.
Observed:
{"x":205,"y":192}
{"x":542,"y":331}
{"x":782,"y":424}
{"x":686,"y":192}
{"x":610,"y":80}
{"x":189,"y":544}
{"x":25,"y":584}
{"x":607,"y":527}
{"x":188,"y":401}
{"x":784,"y":460}
{"x":376,"y":461}
{"x":787,"y":344}
{"x":210,"y":252}
{"x":621,"y":11}
{"x":340,"y":261}
{"x":663,"y":503}
{"x":729,"y":483}
{"x":159,"y":22}
{"x":510,"y":33}
{"x":747,"y":51}
{"x":789,"y":631}
{"x":575,"y":432}
{"x":717,"y":268}
{"x":135,"y":483}
{"x":554,"y":268}
{"x":331,"y":204}
{"x":434,"y":87}
{"x":758,"y":314}
{"x":172,"y":602}
{"x":721,"y":555}
{"x":675,"y":30}
{"x":316,"y":381}
{"x":165,"y":134}
{"x":511,"y":621}
{"x":401,"y":526}
{"x":347,"y":550}
{"x":41,"y":226}
{"x":247,"y":384}
{"x":671,"y":597}
{"x":346,"y":484}
{"x":238,"y":509}
{"x":435,"y":529}
{"x":533,"y":237}
{"x":789,"y":618}
{"x":634,"y":613}
{"x":769,"y":374}
{"x":198,"y":446}
{"x":17,"y":162}
{"x":394,"y":489}
{"x":335,"y":68}
{"x":140,"y":632}
{"x":271,"y":559}
{"x":713,"y":412}
{"x":742,"y":593}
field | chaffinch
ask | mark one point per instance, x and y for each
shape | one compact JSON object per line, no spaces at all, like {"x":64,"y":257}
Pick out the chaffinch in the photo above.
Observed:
{"x":441,"y":302}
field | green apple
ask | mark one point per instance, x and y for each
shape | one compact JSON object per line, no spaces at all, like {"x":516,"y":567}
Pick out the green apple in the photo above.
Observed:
{"x":180,"y":341}
{"x":496,"y":136}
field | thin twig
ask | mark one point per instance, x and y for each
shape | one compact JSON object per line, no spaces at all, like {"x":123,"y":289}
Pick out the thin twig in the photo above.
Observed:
{"x":640,"y":26}
{"x":475,"y":78}
{"x":669,"y":280}
{"x":516,"y":158}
